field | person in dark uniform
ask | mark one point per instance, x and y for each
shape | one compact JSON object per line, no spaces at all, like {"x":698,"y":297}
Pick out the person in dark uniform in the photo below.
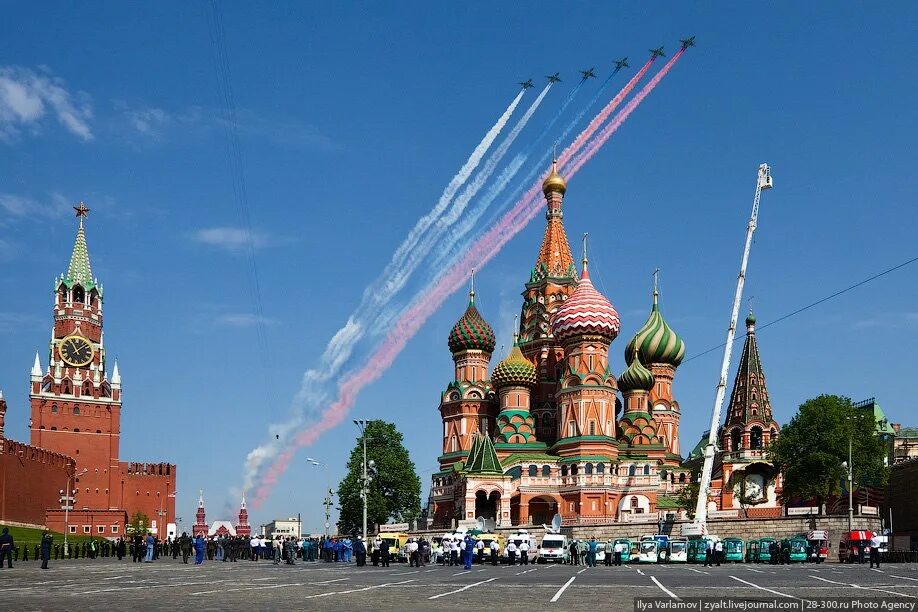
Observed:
{"x":384,"y":553}
{"x":45,"y":549}
{"x":25,"y":552}
{"x":6,"y":548}
{"x":186,"y":547}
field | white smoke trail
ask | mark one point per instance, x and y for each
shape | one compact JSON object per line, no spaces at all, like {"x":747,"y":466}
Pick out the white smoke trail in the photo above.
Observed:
{"x":314,"y":391}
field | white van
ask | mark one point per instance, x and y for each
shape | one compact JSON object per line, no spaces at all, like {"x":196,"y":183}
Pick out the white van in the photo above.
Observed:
{"x":520,"y":536}
{"x":554,"y":549}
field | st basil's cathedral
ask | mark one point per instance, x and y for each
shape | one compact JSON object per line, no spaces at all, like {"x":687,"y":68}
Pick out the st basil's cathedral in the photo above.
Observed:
{"x":546,"y":432}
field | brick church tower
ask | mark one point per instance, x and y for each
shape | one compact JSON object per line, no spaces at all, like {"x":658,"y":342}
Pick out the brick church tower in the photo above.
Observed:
{"x":242,"y":527}
{"x":76,"y":402}
{"x":200,"y":519}
{"x":76,"y":411}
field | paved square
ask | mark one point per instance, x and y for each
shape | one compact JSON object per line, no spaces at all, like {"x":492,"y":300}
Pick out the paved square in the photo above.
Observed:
{"x":103,"y":584}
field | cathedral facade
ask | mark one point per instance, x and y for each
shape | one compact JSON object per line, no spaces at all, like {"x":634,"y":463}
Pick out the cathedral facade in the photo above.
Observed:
{"x":551,"y":429}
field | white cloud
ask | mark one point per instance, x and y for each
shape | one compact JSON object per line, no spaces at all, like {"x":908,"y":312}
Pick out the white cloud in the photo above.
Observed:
{"x":149,"y":121}
{"x":26,"y":97}
{"x":232,"y":238}
{"x":242,"y":319}
{"x":54,"y":206}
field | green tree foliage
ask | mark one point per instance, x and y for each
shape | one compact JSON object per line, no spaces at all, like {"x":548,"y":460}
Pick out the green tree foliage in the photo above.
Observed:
{"x":394,"y":492}
{"x":688,"y":496}
{"x":139,"y":523}
{"x":811,"y":448}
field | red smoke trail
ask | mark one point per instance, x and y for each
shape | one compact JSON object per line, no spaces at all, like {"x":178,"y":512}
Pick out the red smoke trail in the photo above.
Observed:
{"x":593,"y":147}
{"x":602,"y":115}
{"x":417,"y":314}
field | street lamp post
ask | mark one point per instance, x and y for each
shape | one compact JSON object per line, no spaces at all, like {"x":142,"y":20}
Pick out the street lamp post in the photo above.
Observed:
{"x":850,"y":465}
{"x":365,"y":478}
{"x":328,"y":497}
{"x":68,"y":497}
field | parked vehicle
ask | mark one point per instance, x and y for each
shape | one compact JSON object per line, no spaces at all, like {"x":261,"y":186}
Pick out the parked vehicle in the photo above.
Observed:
{"x":554,"y":549}
{"x":734,"y":550}
{"x":695,"y":551}
{"x":678,"y":550}
{"x":818,"y":545}
{"x":397,"y":542}
{"x":794,"y":549}
{"x":763,"y":554}
{"x":649,"y":550}
{"x":520,"y":536}
{"x":752,"y":551}
{"x":626,"y":553}
{"x":635,"y":550}
{"x":487,"y":538}
{"x":852,"y":543}
{"x":602,"y":549}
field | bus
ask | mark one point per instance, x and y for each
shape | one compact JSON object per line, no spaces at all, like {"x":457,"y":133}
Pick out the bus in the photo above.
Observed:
{"x":734,"y":550}
{"x":763,"y":553}
{"x":678,"y":550}
{"x":648,"y":550}
{"x":796,"y":549}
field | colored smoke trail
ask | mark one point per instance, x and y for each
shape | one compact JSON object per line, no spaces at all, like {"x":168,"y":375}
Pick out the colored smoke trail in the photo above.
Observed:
{"x":430,"y":299}
{"x":602,"y":115}
{"x":375,"y":297}
{"x":596,"y":144}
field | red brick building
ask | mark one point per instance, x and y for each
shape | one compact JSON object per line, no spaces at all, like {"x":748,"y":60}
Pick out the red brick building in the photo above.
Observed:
{"x":76,"y":420}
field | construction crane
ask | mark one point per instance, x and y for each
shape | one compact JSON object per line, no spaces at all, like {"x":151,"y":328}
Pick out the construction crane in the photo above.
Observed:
{"x":763,"y":182}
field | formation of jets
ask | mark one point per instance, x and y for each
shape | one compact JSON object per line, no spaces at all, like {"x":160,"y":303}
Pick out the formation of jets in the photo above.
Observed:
{"x":619,"y":64}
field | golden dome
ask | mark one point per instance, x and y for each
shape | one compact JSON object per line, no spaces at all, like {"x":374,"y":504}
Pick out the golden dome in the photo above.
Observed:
{"x":554,"y":182}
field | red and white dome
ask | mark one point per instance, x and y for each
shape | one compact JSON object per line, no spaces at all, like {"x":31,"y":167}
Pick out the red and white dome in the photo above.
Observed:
{"x":586,"y":312}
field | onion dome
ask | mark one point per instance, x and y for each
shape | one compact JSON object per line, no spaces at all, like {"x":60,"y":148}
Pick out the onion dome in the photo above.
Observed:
{"x":656,"y":341}
{"x":750,"y":320}
{"x":586,"y":312}
{"x":471,"y":332}
{"x":515,"y":369}
{"x":636,"y":377}
{"x":554,"y":181}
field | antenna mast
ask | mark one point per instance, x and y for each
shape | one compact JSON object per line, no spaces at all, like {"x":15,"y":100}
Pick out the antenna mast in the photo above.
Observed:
{"x":763,"y":181}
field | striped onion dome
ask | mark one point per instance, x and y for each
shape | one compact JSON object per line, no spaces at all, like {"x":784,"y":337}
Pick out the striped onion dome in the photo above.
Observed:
{"x":515,"y":369}
{"x":656,"y":342}
{"x":586,"y":312}
{"x":636,"y":377}
{"x":471,"y":331}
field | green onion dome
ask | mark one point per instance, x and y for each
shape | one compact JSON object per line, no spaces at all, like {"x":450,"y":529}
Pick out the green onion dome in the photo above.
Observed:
{"x":636,"y":377}
{"x":750,"y":320}
{"x":656,"y":341}
{"x":471,"y":331}
{"x":515,"y":369}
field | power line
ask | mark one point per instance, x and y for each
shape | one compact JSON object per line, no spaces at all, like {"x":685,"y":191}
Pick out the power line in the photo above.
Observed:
{"x":813,"y":304}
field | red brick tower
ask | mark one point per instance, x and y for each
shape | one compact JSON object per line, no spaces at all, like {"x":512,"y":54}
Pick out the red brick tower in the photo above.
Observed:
{"x":75,"y":405}
{"x":243,"y":528}
{"x":200,"y":524}
{"x":2,"y":418}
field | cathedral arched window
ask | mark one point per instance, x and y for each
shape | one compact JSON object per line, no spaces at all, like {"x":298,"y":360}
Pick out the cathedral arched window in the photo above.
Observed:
{"x":632,"y":470}
{"x":54,"y":408}
{"x":564,"y":470}
{"x":546,"y":471}
{"x":755,"y":438}
{"x":76,"y":410}
{"x":735,"y":439}
{"x":588,"y":469}
{"x":682,"y":478}
{"x":600,"y":468}
{"x":533,"y":471}
{"x":646,"y":470}
{"x":573,"y":469}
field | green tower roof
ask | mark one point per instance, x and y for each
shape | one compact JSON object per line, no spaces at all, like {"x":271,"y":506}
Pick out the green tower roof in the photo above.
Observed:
{"x":79,"y":272}
{"x":656,"y":341}
{"x":483,"y":458}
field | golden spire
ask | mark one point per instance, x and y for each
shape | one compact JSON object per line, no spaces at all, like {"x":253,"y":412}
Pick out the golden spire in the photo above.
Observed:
{"x":554,"y":181}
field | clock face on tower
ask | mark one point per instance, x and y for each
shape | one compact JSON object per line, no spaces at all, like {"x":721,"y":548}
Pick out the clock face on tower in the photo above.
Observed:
{"x":76,"y":351}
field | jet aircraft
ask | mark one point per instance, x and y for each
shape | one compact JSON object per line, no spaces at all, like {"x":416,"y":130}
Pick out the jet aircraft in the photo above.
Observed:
{"x":554,"y":78}
{"x":588,"y":74}
{"x":658,"y":52}
{"x":688,"y":42}
{"x":622,"y":63}
{"x":527,"y":84}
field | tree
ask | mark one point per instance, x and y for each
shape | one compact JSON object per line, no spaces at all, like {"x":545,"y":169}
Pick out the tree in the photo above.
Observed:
{"x":811,"y":448}
{"x":688,"y":496}
{"x":394,"y":491}
{"x":139,"y":523}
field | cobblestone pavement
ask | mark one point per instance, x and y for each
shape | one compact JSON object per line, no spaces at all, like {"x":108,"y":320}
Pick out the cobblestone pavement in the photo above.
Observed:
{"x":166,"y":584}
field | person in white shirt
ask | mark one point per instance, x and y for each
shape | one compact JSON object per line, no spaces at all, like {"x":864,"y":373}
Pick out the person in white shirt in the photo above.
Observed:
{"x":453,"y":552}
{"x":524,"y":552}
{"x":511,"y":552}
{"x":278,"y":549}
{"x":495,"y":549}
{"x":413,"y":560}
{"x":617,"y":552}
{"x":253,"y":544}
{"x":480,"y":546}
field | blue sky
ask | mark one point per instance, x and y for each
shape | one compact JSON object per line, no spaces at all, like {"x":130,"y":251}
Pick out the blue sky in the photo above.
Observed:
{"x":352,"y":118}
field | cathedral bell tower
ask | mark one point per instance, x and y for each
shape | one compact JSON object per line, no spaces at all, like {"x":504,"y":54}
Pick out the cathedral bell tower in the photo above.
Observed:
{"x":585,"y":325}
{"x":467,"y":407}
{"x":75,"y":404}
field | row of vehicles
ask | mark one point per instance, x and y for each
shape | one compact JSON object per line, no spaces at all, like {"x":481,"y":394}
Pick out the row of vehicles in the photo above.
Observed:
{"x":658,"y":548}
